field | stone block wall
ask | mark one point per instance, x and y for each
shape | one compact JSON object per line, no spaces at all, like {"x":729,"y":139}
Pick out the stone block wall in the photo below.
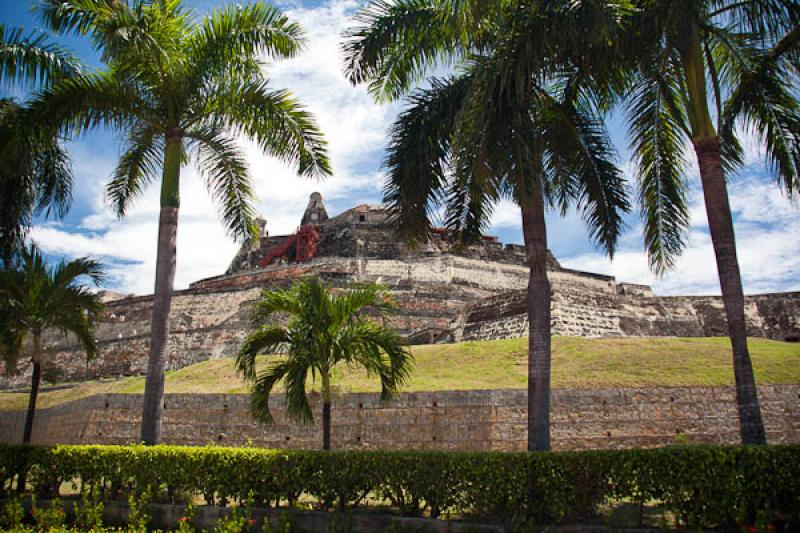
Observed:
{"x":441,"y":298}
{"x":599,"y":313}
{"x":448,"y":420}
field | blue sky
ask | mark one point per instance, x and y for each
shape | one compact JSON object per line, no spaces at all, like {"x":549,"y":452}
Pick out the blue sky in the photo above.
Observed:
{"x":767,"y":224}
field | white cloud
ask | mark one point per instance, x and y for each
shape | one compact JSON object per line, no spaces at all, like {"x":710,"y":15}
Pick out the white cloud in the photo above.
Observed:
{"x":767,"y":226}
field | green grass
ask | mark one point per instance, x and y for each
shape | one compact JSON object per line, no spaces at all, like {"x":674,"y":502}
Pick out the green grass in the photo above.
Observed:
{"x":577,"y":362}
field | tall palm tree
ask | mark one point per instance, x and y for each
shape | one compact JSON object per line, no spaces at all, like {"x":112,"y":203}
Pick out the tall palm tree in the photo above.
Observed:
{"x":323,"y":330}
{"x":520,"y":119}
{"x":179,"y":88}
{"x":35,"y":176}
{"x":702,"y":68}
{"x":34,"y":298}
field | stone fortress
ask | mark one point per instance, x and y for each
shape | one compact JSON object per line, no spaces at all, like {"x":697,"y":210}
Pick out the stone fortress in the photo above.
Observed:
{"x":444,"y":292}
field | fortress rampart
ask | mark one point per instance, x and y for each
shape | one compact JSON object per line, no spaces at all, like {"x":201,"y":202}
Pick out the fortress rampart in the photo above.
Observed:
{"x":445,"y":293}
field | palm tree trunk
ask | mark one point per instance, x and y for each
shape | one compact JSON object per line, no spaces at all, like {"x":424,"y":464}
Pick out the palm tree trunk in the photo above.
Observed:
{"x":720,"y":223}
{"x":153,"y":407}
{"x":36,"y":379}
{"x":535,"y":234}
{"x":326,"y":411}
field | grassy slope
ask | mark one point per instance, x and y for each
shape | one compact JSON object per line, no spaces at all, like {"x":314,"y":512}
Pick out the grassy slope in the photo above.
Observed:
{"x":577,"y":362}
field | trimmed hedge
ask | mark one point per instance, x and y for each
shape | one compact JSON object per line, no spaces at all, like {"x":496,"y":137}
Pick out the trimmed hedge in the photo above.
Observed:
{"x":704,"y":486}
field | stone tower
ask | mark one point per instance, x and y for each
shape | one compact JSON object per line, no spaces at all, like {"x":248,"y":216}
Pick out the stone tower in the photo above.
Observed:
{"x":315,"y":212}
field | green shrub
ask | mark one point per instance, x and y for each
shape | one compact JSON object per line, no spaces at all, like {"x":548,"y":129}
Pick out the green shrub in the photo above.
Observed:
{"x":49,"y":518}
{"x":12,"y":514}
{"x":137,"y":511}
{"x":89,"y":514}
{"x":702,"y":486}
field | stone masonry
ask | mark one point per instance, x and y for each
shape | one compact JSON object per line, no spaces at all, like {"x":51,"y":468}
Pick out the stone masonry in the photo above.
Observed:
{"x":447,"y":420}
{"x":445,"y":293}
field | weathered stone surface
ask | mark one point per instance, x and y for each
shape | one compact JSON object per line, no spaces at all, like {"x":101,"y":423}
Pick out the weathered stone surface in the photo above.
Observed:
{"x":448,"y":420}
{"x":445,"y":293}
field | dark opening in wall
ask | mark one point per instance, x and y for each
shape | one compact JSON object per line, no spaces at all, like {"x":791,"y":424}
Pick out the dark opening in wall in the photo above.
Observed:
{"x":362,"y":218}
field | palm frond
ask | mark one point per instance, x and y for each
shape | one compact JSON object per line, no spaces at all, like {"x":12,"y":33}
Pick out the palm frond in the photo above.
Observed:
{"x":83,"y":102}
{"x":120,"y":31}
{"x":295,"y":382}
{"x":66,"y":273}
{"x":227,"y":179}
{"x":32,"y":60}
{"x":483,"y":145}
{"x":35,"y":175}
{"x":275,"y":302}
{"x":391,"y":45}
{"x":765,"y":20}
{"x":658,"y":141}
{"x":266,"y":339}
{"x":262,"y":388}
{"x":138,"y":166}
{"x":245,"y":31}
{"x":380,"y":352}
{"x":418,"y":154}
{"x":356,"y":299}
{"x":765,"y":102}
{"x":274,"y":119}
{"x":578,"y":145}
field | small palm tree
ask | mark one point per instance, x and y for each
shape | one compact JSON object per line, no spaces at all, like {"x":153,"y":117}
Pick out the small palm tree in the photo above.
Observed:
{"x":179,"y":89}
{"x":35,"y":175}
{"x":323,"y":330}
{"x":520,"y":119}
{"x":34,"y":298}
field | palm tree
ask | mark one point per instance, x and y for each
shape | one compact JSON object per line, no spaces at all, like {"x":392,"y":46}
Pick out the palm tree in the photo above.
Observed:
{"x":35,"y":298}
{"x":323,"y":330}
{"x":520,"y":119}
{"x":694,"y":59}
{"x":178,"y":88}
{"x":35,"y":176}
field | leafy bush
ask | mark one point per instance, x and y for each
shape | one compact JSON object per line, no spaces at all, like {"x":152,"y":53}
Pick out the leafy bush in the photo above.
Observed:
{"x":703,"y":486}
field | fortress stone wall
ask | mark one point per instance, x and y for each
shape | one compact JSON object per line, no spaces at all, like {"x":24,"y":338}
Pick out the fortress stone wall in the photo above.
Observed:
{"x":445,"y":293}
{"x":448,"y":420}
